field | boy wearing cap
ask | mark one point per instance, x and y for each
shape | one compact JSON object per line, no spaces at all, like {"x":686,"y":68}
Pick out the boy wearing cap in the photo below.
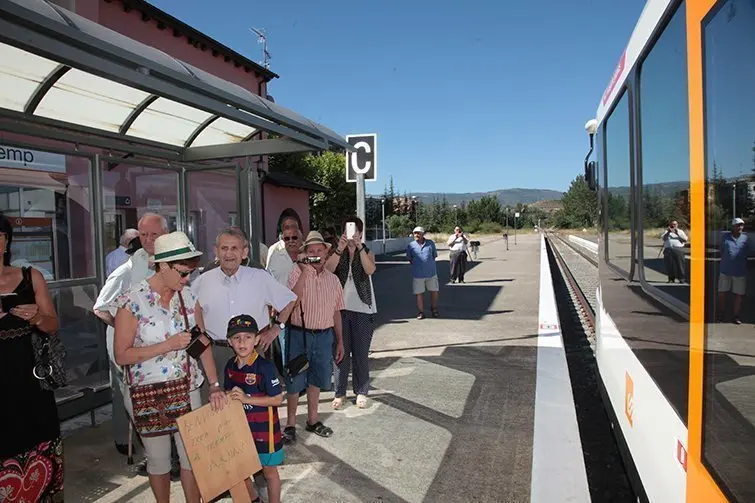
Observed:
{"x":315,"y":324}
{"x":422,"y":254}
{"x":253,"y":381}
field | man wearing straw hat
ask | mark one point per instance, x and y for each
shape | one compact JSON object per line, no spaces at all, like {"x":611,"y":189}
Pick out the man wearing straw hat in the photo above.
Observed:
{"x":315,"y":323}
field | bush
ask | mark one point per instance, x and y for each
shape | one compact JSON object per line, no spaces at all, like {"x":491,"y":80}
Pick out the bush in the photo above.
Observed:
{"x":489,"y":228}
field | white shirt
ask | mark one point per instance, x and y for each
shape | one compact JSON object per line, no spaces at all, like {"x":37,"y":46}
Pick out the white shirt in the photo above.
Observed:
{"x":156,"y":324}
{"x":280,"y":265}
{"x":674,"y":239}
{"x":114,"y":259}
{"x":456,"y":243}
{"x":264,"y":252}
{"x":279,"y":245}
{"x":249,"y":291}
{"x":125,"y":276}
{"x":351,"y":297}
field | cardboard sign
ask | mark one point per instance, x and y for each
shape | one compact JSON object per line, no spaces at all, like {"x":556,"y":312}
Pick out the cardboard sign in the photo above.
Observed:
{"x":220,"y":448}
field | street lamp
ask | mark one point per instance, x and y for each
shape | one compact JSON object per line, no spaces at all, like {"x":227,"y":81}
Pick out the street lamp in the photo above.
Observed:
{"x":382,"y":205}
{"x":414,"y":207}
{"x":456,"y":211}
{"x":591,"y":127}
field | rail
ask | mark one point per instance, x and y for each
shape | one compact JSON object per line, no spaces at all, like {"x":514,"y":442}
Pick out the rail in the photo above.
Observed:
{"x":585,"y":308}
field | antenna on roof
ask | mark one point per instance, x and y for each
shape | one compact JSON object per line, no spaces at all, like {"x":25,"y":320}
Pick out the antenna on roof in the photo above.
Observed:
{"x":262,"y":39}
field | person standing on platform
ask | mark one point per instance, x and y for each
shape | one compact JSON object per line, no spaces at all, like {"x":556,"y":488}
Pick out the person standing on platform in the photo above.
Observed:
{"x":736,"y":246}
{"x":315,"y":329}
{"x":673,"y":257}
{"x":231,"y":290}
{"x":422,"y":254}
{"x":134,"y":271}
{"x":457,"y":244}
{"x":288,"y":219}
{"x":119,"y":256}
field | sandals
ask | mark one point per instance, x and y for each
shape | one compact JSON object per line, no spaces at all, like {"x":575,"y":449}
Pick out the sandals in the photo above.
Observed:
{"x":362,"y":401}
{"x":338,"y":402}
{"x":319,"y":429}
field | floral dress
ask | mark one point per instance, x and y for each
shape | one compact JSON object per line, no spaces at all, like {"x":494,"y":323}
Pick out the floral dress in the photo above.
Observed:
{"x":155,"y":324}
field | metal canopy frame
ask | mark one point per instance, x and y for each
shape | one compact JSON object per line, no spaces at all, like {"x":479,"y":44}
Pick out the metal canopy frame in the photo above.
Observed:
{"x":63,"y":76}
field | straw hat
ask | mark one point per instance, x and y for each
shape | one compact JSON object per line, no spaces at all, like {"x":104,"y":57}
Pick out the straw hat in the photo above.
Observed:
{"x":314,"y":238}
{"x":174,"y":246}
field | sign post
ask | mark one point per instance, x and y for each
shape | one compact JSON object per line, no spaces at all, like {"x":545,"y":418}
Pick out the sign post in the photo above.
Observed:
{"x":361,"y":167}
{"x":516,"y":215}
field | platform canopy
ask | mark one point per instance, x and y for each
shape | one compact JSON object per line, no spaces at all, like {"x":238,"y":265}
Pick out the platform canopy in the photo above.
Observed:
{"x":63,"y":76}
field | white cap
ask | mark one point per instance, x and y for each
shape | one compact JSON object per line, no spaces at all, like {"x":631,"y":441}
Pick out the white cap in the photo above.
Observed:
{"x":421,"y":230}
{"x":737,"y":221}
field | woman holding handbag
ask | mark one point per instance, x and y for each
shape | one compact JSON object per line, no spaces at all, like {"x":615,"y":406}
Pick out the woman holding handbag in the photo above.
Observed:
{"x":157,"y":326}
{"x":31,"y":450}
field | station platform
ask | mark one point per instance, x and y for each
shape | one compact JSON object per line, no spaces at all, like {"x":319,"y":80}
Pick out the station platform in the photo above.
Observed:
{"x":473,"y":406}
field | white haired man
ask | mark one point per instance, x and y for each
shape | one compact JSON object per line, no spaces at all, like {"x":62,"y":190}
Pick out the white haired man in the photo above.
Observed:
{"x":119,"y":256}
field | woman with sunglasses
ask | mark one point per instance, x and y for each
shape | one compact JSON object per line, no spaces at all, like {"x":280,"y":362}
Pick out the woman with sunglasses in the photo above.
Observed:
{"x":151,"y":336}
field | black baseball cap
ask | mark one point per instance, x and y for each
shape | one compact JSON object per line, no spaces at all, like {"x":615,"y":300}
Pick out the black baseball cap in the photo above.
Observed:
{"x":242,"y":323}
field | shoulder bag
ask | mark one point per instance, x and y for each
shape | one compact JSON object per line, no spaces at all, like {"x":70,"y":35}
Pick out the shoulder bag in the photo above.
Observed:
{"x":157,"y":406}
{"x":299,"y":364}
{"x":49,"y":352}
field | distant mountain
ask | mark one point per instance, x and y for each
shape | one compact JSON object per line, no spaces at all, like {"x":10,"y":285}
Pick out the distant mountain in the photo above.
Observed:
{"x":507,"y":197}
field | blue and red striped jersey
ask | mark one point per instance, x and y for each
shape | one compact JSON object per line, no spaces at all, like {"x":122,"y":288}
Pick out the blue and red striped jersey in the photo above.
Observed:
{"x":258,"y":378}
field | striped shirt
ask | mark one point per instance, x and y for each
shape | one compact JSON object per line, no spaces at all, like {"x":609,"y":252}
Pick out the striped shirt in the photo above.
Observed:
{"x":258,"y":378}
{"x":322,"y":298}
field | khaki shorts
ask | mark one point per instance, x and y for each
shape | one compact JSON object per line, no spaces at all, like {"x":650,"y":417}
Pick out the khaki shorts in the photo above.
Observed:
{"x":425,"y":284}
{"x":737,"y":284}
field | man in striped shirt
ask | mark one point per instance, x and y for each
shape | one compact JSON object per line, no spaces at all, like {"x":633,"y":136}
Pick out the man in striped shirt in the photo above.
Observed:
{"x":315,"y":321}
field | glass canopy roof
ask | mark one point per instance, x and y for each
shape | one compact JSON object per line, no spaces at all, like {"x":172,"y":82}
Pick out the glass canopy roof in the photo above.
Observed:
{"x":59,"y":68}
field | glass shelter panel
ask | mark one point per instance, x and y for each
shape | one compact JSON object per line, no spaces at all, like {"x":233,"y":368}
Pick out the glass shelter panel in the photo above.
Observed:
{"x":47,"y":198}
{"x":130,"y":191}
{"x":665,"y":161}
{"x":729,"y":381}
{"x":213,"y":205}
{"x":618,"y":194}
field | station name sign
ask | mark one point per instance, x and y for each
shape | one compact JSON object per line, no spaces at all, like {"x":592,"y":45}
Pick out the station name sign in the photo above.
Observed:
{"x":23,"y":158}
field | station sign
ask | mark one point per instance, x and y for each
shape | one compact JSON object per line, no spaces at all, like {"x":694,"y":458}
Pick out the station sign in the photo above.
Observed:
{"x":363,"y":160}
{"x":24,"y":158}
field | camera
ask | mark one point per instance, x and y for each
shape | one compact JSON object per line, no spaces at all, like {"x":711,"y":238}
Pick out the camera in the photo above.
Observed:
{"x":310,"y":260}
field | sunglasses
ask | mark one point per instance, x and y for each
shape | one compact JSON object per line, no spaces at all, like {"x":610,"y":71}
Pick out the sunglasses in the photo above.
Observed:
{"x":183,"y":274}
{"x":290,"y":238}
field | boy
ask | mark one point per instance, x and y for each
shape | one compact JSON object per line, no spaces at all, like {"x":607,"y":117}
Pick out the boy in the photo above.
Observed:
{"x":254,"y":382}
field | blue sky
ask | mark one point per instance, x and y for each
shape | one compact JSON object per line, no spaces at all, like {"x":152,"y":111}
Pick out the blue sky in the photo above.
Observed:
{"x":464,"y":96}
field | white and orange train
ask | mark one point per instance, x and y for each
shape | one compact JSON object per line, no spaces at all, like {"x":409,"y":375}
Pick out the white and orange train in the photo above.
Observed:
{"x":674,"y":139}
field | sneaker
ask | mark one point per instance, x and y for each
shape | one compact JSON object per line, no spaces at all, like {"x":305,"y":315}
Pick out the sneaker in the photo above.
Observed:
{"x":737,"y":321}
{"x":421,"y":316}
{"x":289,"y":435}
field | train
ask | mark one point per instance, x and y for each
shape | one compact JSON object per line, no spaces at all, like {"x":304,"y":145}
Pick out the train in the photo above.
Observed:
{"x":672,"y":144}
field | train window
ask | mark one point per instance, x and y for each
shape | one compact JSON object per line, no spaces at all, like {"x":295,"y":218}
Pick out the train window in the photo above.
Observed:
{"x":664,"y":116}
{"x":729,"y":386}
{"x":619,"y":237}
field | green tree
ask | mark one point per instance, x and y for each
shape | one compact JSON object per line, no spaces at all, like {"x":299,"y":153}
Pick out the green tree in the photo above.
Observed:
{"x":579,"y":206}
{"x":400,"y":225}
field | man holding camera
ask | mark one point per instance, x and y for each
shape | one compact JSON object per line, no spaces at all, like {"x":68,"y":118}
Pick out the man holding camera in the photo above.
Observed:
{"x":230,"y":290}
{"x":315,"y":323}
{"x":673,"y":257}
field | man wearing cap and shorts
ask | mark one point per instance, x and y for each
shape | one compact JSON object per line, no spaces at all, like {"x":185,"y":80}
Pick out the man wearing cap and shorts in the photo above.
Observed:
{"x":315,"y":324}
{"x":735,"y":248}
{"x":422,"y":254}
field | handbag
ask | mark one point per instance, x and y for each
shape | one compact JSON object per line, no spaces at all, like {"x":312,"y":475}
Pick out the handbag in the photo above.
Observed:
{"x":300,"y":363}
{"x":49,"y":352}
{"x":157,"y":406}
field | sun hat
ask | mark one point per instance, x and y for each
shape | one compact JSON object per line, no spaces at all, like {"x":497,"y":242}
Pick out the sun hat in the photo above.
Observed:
{"x":421,"y":230}
{"x":241,"y":323}
{"x":737,"y":221}
{"x":174,"y":246}
{"x":314,"y":238}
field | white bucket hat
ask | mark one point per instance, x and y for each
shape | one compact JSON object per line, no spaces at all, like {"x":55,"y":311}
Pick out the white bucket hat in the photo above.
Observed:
{"x":174,"y":246}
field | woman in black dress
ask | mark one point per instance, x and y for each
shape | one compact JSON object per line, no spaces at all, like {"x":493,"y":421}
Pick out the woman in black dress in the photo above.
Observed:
{"x":31,"y":450}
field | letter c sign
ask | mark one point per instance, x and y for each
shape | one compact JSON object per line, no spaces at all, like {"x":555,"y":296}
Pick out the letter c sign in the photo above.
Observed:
{"x":363,"y":159}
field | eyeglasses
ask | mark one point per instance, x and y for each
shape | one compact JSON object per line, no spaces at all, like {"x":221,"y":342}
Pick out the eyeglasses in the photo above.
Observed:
{"x":290,"y":238}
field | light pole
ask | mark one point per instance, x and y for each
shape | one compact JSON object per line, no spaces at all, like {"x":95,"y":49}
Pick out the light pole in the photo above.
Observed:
{"x":456,"y":211}
{"x":382,"y":205}
{"x":507,"y":228}
{"x":414,"y":207}
{"x":734,"y":200}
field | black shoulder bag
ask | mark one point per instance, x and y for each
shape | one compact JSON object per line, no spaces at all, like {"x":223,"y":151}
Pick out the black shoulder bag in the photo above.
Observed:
{"x":49,"y":352}
{"x":300,"y":363}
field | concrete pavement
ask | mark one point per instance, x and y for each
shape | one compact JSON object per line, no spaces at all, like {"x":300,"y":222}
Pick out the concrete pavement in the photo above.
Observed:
{"x":450,"y":416}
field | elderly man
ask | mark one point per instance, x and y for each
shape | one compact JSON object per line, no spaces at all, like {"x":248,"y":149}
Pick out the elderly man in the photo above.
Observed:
{"x":131,"y":273}
{"x":230,"y":290}
{"x":736,"y":246}
{"x":315,"y":324}
{"x":288,"y":219}
{"x":281,"y":261}
{"x":119,"y":256}
{"x":422,"y":254}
